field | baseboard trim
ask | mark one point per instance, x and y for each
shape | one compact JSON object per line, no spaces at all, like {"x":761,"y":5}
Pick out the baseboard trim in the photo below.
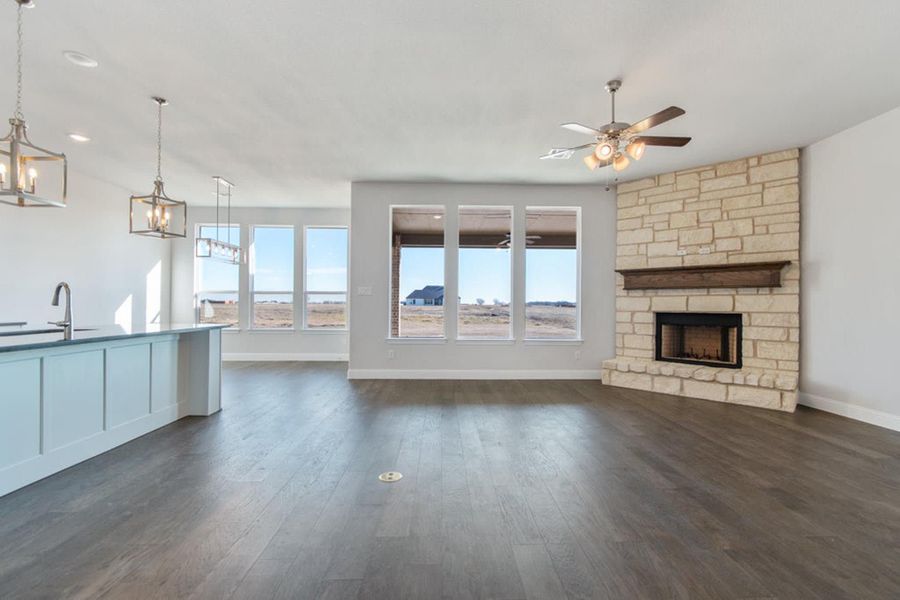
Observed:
{"x":285,"y":356}
{"x":851,"y":411}
{"x":473,"y":374}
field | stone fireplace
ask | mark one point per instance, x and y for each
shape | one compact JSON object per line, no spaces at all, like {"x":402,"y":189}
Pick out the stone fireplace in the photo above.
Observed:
{"x":720,"y":243}
{"x":709,"y":339}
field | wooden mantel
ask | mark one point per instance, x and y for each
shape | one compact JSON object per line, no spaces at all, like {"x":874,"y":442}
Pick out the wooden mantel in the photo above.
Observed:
{"x":737,"y":275}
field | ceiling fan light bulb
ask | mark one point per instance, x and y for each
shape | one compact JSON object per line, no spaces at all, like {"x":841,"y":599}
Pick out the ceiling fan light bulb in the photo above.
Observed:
{"x":621,"y":162}
{"x":636,"y":150}
{"x":603,"y":151}
{"x":592,"y":161}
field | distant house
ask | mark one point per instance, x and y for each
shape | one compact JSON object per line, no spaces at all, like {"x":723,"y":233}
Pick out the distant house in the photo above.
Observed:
{"x":430,"y":295}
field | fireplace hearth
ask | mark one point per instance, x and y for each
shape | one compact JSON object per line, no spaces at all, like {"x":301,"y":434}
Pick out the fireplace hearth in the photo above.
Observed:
{"x":712,"y":339}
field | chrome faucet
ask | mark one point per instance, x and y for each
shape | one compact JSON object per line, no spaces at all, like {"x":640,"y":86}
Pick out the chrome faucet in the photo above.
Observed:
{"x":66,"y":323}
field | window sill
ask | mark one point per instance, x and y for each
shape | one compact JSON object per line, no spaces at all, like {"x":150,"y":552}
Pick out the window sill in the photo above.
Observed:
{"x":271,"y":330}
{"x":416,"y":341}
{"x":325,"y":330}
{"x":553,"y":342}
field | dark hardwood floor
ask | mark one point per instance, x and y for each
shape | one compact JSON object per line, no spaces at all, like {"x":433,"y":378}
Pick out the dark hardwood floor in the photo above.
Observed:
{"x":511,"y":490}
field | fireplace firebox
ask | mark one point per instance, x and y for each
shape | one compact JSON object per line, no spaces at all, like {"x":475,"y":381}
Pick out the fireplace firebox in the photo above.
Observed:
{"x":712,"y":339}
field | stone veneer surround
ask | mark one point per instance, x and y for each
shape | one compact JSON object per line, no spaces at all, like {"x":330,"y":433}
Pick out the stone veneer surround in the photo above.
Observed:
{"x":745,"y":210}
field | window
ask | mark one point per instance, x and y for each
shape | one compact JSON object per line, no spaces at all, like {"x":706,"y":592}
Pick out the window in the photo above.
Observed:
{"x":216,"y":299}
{"x":272,"y":277}
{"x":326,"y":278}
{"x":551,"y":273}
{"x":417,"y":272}
{"x":484,"y":273}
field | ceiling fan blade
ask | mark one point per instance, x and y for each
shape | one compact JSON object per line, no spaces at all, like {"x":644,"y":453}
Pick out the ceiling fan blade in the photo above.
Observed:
{"x":662,"y":140}
{"x":564,"y":153}
{"x":579,"y":128}
{"x":653,"y":120}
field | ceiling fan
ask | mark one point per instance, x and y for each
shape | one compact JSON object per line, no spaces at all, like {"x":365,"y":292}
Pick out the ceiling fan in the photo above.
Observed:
{"x":529,"y":240}
{"x":611,"y":139}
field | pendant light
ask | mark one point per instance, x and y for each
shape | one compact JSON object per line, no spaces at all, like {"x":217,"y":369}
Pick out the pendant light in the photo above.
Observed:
{"x":157,"y":215}
{"x":215,"y":248}
{"x":19,"y":157}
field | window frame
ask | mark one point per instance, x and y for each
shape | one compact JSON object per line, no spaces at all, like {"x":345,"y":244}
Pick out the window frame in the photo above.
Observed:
{"x":577,"y":338}
{"x":306,"y":292}
{"x":443,"y":338}
{"x":511,"y":335}
{"x":198,"y":291}
{"x":251,"y":283}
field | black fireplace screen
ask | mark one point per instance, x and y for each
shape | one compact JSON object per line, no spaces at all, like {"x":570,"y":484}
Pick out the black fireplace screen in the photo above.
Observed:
{"x":712,"y":339}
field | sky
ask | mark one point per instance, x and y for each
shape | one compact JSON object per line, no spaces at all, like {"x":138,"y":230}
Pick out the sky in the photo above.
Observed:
{"x":550,"y":274}
{"x":272,"y":260}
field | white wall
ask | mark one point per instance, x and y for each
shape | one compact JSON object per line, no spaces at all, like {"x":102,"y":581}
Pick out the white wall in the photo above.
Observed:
{"x":370,"y":267}
{"x":249,"y":344}
{"x":115,"y":277}
{"x":851,"y":282}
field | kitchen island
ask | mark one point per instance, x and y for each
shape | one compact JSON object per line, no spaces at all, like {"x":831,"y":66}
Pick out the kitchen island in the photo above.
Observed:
{"x":63,"y":401}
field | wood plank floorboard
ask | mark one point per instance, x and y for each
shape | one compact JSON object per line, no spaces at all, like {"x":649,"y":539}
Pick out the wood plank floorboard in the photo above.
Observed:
{"x":511,"y":489}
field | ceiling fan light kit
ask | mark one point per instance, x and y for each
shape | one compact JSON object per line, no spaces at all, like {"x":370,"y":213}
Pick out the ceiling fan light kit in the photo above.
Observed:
{"x":19,"y":158}
{"x":616,"y":139}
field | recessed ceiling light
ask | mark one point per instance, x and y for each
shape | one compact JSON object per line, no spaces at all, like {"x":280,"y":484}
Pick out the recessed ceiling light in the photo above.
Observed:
{"x":437,"y":216}
{"x":80,"y":59}
{"x":77,"y":137}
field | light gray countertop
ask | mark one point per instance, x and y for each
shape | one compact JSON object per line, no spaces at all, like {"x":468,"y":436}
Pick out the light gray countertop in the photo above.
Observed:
{"x":14,"y":338}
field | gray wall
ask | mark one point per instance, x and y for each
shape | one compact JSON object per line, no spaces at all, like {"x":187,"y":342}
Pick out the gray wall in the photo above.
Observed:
{"x":851,"y":282}
{"x":370,"y":265}
{"x":261,"y":344}
{"x":116,"y":277}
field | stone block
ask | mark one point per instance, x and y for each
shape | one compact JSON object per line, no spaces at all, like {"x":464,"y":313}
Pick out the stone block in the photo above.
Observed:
{"x":653,"y":368}
{"x":778,"y":350}
{"x":637,"y":367}
{"x":728,"y":244}
{"x":667,"y":235}
{"x":667,"y":207}
{"x":705,"y":374}
{"x":731,"y":168}
{"x":748,"y":201}
{"x":766,"y":380}
{"x":627,"y":199}
{"x":711,"y":303}
{"x":687,"y":181}
{"x":633,"y":186}
{"x":772,"y":242}
{"x":664,"y":261}
{"x":704,"y":235}
{"x":775,"y":334}
{"x":789,"y":303}
{"x":662,"y":249}
{"x":733,"y":228}
{"x":634,"y":223}
{"x":685,"y":371}
{"x":725,"y":376}
{"x":667,"y":369}
{"x":669,"y":303}
{"x":781,"y":194}
{"x":684,"y":219}
{"x":773,"y":171}
{"x":789,"y":401}
{"x":644,"y":342}
{"x":631,"y":262}
{"x":754,"y":396}
{"x":632,"y":303}
{"x":719,"y":183}
{"x":667,"y":385}
{"x":635,"y":236}
{"x":709,"y":215}
{"x":640,"y":381}
{"x":707,"y":391}
{"x":779,"y":156}
{"x":656,"y":191}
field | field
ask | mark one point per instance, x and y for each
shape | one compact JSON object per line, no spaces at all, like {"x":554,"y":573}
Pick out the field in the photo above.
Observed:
{"x":281,"y":315}
{"x":488,"y":321}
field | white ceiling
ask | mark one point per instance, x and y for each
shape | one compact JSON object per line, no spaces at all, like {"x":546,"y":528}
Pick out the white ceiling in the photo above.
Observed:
{"x":292,"y":100}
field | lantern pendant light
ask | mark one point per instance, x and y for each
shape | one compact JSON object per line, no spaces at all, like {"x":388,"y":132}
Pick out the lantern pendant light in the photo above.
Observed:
{"x":19,"y":157}
{"x":217,"y":248}
{"x":157,"y":215}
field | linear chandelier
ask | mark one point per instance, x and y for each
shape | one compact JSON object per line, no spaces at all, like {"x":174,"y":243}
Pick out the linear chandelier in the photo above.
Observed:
{"x":19,"y":157}
{"x":157,"y":215}
{"x":215,"y":248}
